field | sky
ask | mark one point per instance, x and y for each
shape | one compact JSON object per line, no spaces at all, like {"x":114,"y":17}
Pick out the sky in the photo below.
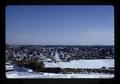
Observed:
{"x":60,"y":25}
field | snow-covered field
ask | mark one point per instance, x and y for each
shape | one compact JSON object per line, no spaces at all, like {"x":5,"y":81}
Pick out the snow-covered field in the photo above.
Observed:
{"x":97,"y":63}
{"x":9,"y":67}
{"x":14,"y":75}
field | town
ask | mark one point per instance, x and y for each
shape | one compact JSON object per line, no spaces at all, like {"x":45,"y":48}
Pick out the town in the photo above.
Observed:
{"x":59,"y":53}
{"x":21,"y":55}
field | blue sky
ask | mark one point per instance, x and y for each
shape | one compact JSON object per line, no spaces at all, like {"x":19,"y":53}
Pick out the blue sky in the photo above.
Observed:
{"x":60,"y":25}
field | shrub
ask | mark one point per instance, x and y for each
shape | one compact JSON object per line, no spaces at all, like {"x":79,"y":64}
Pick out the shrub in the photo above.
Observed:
{"x":35,"y":65}
{"x":31,"y":64}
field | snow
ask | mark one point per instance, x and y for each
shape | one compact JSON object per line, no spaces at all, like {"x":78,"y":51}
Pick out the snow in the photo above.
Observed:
{"x":22,"y":72}
{"x":48,"y":59}
{"x":97,"y":63}
{"x":14,"y":74}
{"x":56,"y":57}
{"x":9,"y":67}
{"x":22,"y":69}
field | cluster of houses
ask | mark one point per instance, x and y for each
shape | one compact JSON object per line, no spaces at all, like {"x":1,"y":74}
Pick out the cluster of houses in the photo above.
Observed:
{"x":59,"y":53}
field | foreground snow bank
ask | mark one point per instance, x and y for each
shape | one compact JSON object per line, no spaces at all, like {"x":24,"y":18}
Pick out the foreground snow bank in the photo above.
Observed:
{"x":14,"y":75}
{"x":97,"y":63}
